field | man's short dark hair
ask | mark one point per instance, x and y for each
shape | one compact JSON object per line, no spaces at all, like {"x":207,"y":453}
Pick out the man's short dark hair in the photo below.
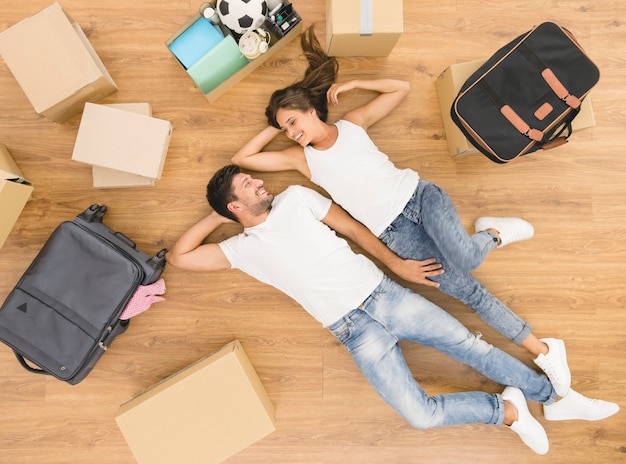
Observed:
{"x":220,"y":191}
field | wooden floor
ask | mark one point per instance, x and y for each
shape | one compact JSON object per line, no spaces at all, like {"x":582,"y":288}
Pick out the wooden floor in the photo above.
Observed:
{"x":568,"y":281}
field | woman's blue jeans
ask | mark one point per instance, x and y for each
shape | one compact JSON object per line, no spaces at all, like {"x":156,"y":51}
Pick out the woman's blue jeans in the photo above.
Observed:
{"x":429,"y":227}
{"x":393,"y":313}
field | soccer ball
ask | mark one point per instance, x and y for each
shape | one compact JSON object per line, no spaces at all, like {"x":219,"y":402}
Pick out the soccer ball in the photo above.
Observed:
{"x":242,"y":15}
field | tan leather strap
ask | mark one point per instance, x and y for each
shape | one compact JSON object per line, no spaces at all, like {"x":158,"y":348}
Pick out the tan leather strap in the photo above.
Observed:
{"x":510,"y":114}
{"x":559,"y":89}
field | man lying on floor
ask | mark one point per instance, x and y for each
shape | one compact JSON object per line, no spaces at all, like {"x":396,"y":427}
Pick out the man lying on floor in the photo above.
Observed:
{"x":288,"y":242}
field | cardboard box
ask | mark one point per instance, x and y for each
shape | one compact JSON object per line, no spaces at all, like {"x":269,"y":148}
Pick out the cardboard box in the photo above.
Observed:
{"x":214,"y":84}
{"x":15,"y":191}
{"x":204,"y":414}
{"x":54,"y":63}
{"x":113,"y":138}
{"x":112,"y":178}
{"x":448,"y":85}
{"x":363,"y":27}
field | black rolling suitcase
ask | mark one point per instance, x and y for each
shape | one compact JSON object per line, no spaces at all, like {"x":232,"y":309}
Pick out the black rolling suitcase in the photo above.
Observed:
{"x":65,"y":310}
{"x":526,"y":95}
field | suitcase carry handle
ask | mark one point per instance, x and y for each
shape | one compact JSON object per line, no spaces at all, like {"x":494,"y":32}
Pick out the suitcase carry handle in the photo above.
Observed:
{"x":518,"y":122}
{"x":548,"y":75}
{"x":510,"y":114}
{"x":125,"y":239}
{"x":27,"y":366}
{"x":559,"y":89}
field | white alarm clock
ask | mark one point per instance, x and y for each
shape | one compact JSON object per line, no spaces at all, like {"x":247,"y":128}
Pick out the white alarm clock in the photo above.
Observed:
{"x":254,"y":43}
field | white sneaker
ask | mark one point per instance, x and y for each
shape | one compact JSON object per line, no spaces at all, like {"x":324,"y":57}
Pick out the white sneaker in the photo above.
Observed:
{"x":526,"y":426}
{"x":575,"y":406}
{"x":554,"y":364}
{"x":510,"y":229}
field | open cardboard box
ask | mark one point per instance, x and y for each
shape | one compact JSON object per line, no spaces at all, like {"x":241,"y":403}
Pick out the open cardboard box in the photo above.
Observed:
{"x":448,"y":85}
{"x":15,"y":191}
{"x":113,"y":138}
{"x":203,"y":414}
{"x":214,"y":81}
{"x":54,"y":63}
{"x":363,"y":28}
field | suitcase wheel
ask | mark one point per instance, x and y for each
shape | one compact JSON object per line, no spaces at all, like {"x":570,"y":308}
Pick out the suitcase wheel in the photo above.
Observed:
{"x":94,"y":213}
{"x":158,"y":260}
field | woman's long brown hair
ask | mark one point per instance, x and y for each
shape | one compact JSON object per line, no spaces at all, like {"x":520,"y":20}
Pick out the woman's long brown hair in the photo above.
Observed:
{"x":310,"y":91}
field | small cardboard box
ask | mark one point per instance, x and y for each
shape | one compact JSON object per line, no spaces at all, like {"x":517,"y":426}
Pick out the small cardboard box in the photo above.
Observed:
{"x":363,"y":27}
{"x":204,"y":414}
{"x":113,"y":138}
{"x":15,"y":191}
{"x":448,"y":85}
{"x":112,"y":178}
{"x":215,"y":83}
{"x":54,"y":63}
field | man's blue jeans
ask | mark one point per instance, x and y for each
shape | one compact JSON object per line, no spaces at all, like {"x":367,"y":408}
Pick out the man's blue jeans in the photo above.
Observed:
{"x":429,"y":227}
{"x":393,"y":313}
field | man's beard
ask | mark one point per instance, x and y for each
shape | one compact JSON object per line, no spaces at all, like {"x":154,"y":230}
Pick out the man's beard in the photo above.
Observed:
{"x":261,"y":206}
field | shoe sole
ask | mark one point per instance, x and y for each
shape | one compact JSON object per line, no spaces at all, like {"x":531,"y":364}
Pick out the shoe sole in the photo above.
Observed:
{"x":563,"y":417}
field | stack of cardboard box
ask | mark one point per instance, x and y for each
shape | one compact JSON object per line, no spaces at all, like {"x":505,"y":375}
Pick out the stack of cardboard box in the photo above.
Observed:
{"x":123,"y":143}
{"x":61,"y":75}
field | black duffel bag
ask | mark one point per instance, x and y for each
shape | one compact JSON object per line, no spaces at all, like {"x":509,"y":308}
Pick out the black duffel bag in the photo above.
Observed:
{"x":526,"y":95}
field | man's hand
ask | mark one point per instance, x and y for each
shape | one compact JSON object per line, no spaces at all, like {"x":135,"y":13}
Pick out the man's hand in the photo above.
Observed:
{"x":191,"y":254}
{"x":219,"y":219}
{"x":419,"y":271}
{"x":408,"y":269}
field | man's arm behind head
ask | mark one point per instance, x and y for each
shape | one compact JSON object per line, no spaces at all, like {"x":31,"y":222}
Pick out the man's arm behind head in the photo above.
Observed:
{"x":191,"y":254}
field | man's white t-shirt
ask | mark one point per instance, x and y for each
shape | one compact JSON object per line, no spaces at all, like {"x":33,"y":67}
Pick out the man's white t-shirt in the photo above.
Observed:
{"x":360,"y":178}
{"x":295,"y":252}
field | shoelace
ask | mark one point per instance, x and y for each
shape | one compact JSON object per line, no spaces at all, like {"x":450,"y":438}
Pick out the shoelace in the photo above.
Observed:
{"x":551,"y":370}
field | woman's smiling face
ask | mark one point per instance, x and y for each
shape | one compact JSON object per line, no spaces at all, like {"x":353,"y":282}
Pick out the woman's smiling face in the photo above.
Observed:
{"x":298,"y":126}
